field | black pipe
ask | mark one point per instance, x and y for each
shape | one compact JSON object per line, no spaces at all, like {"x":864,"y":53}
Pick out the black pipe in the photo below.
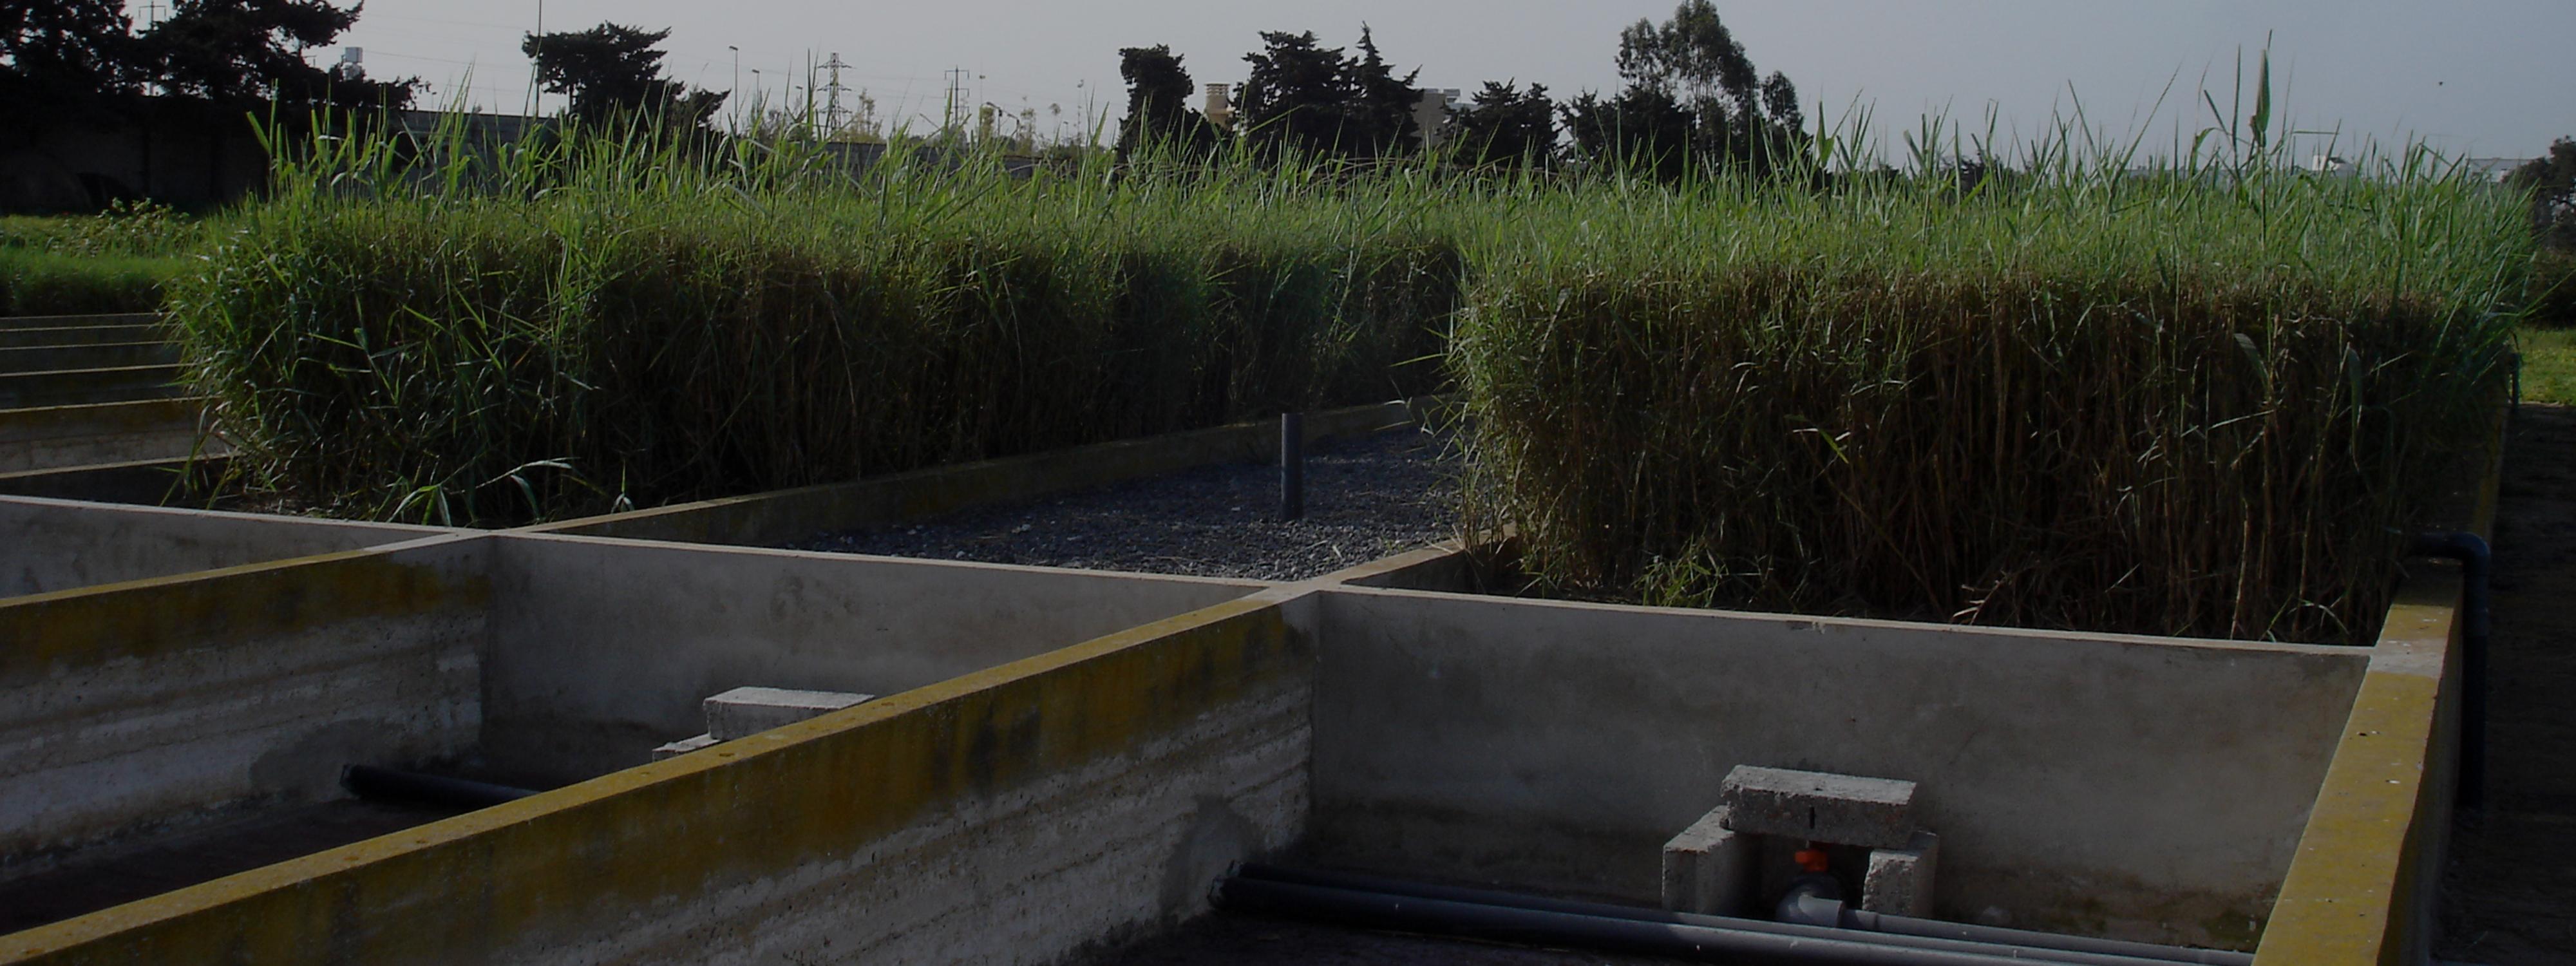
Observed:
{"x":2477,"y":563}
{"x":386,"y":784}
{"x":1897,"y":929}
{"x":1292,"y":466}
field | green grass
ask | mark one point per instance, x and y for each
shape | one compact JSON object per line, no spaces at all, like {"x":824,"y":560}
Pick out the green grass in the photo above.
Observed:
{"x":115,"y":262}
{"x":2548,"y":364}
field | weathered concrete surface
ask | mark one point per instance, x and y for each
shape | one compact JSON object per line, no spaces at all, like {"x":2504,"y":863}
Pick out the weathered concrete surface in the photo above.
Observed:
{"x":2136,"y":787}
{"x":603,"y":650}
{"x":747,"y":711}
{"x":91,"y":355}
{"x":137,"y":707}
{"x":49,"y":335}
{"x":150,"y":482}
{"x":48,"y":545}
{"x":1902,"y":881}
{"x":1711,"y":869}
{"x":777,"y":517}
{"x":58,"y":436}
{"x":59,"y":387}
{"x":1006,"y":817}
{"x":1819,"y":806}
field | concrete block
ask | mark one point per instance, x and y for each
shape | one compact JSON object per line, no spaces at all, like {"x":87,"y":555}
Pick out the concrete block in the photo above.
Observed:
{"x":1900,"y":880}
{"x":683,"y":746}
{"x":1820,"y":807}
{"x":743,"y":712}
{"x":1711,"y":869}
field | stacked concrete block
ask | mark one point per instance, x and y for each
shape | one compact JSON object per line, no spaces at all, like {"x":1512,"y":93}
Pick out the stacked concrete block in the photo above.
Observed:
{"x":743,"y":712}
{"x":1711,"y":869}
{"x":1714,"y":866}
{"x":1819,"y":807}
{"x":1899,"y":881}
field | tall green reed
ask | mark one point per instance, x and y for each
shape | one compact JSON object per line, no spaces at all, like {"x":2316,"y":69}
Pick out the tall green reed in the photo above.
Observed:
{"x":590,"y":319}
{"x":2200,"y":396}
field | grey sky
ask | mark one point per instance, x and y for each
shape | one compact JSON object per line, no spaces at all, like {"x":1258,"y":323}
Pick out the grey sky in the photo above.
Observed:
{"x":2479,"y":77}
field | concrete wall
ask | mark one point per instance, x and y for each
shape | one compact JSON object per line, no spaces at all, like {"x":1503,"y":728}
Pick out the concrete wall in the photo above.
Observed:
{"x":2135,"y":787}
{"x":1009,"y":816}
{"x":131,"y":708}
{"x":50,"y":545}
{"x":602,"y":650}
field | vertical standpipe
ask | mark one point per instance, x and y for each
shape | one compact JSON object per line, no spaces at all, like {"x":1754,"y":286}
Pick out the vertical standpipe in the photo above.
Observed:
{"x":1292,"y":466}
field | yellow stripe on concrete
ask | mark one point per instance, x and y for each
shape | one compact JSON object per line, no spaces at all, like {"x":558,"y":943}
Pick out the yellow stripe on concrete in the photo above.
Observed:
{"x":44,"y":634}
{"x":2350,"y":897}
{"x":564,"y":866}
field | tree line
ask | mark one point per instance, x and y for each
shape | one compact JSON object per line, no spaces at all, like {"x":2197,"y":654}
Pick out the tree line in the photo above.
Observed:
{"x":1690,"y":98}
{"x":71,"y":60}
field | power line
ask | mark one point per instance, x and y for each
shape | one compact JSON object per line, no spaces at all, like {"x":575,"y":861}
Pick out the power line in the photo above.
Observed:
{"x":832,"y":94}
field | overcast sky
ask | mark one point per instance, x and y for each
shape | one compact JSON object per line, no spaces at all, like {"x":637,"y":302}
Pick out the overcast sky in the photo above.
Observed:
{"x":2474,"y":77}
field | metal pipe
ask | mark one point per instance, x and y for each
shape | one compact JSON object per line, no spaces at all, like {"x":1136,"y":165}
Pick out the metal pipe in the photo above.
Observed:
{"x":2477,"y":563}
{"x":369,"y":781}
{"x":1292,"y":466}
{"x":1892,"y":931}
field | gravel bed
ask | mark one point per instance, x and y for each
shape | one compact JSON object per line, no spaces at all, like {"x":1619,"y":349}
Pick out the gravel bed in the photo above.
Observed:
{"x":1366,"y":498}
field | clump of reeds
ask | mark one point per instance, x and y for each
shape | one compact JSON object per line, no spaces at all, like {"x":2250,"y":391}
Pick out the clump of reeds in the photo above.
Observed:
{"x":2200,"y":399}
{"x":597,"y":319}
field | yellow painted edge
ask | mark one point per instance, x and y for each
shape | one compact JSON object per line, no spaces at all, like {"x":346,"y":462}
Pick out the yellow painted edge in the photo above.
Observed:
{"x":2350,"y":897}
{"x":300,"y":910}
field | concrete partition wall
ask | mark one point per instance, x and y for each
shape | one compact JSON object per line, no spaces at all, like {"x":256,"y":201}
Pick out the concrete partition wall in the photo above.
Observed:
{"x":126,"y":709}
{"x":1014,"y":815}
{"x":49,"y":545}
{"x":2133,"y":787}
{"x":604,"y":649}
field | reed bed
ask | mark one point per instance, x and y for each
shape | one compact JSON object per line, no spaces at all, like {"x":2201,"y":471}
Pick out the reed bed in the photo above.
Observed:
{"x":2200,"y":401}
{"x":600,"y":321}
{"x":2206,"y":399}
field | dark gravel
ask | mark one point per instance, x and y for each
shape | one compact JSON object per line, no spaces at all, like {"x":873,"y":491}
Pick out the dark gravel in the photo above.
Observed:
{"x":1240,"y":940}
{"x":1366,"y":498}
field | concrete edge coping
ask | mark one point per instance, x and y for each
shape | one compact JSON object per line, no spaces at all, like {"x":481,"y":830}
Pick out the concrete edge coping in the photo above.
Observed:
{"x":1805,"y":622}
{"x":617,"y":544}
{"x":79,"y":321}
{"x":309,"y":870}
{"x":220,"y":573}
{"x":2355,"y":892}
{"x":283,"y":521}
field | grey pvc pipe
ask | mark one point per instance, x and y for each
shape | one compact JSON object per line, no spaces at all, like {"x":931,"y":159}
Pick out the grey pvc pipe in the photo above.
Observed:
{"x":1909,"y":926}
{"x":1892,"y":930}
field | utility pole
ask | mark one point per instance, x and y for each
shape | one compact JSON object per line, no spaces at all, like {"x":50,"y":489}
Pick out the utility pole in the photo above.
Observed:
{"x":832,"y":116}
{"x":536,"y":100}
{"x":956,"y":99}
